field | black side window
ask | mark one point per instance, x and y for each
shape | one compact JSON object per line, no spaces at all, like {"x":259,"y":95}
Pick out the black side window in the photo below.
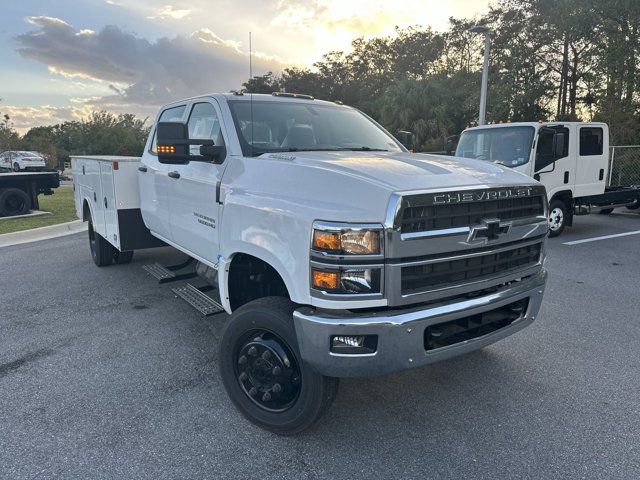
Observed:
{"x":591,"y":141}
{"x":173,"y":114}
{"x":544,"y":149}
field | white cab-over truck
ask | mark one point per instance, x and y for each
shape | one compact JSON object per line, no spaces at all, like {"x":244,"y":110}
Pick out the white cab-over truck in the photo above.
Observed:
{"x":336,"y":251}
{"x":571,"y":159}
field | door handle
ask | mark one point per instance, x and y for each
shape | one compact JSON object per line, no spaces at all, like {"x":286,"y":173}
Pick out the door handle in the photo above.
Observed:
{"x":175,"y":175}
{"x":105,"y":202}
{"x":142,"y":169}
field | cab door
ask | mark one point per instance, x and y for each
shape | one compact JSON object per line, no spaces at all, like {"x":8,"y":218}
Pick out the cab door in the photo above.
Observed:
{"x":592,"y":159}
{"x":554,"y":165}
{"x":154,"y":182}
{"x":194,"y":206}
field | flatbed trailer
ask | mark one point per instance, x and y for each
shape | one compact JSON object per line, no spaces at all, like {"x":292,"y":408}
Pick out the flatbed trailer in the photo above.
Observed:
{"x":19,"y":191}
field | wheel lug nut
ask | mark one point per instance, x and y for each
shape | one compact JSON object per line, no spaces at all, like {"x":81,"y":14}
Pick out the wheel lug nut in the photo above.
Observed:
{"x":266,"y":397}
{"x":277,"y":388}
{"x":253,"y":351}
{"x":253,"y":391}
{"x":242,"y":360}
{"x":242,"y":377}
{"x":266,"y":355}
{"x":276,"y":370}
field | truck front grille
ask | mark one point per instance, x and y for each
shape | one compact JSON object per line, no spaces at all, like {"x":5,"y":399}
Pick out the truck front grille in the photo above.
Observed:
{"x":451,"y":272}
{"x":474,"y":326}
{"x":423,"y":213}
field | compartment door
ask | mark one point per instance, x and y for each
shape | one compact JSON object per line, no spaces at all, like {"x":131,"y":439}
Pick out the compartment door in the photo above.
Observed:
{"x":108,"y":203}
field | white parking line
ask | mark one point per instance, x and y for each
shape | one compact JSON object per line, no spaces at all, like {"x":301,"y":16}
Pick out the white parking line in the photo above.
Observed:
{"x":604,"y":237}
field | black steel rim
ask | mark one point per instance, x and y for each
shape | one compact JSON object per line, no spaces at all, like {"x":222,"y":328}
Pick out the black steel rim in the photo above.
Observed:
{"x":14,"y":204}
{"x":267,"y":370}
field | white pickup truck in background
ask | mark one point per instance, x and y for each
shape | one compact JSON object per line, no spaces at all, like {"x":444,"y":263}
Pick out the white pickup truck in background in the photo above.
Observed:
{"x":571,"y":159}
{"x":336,"y":251}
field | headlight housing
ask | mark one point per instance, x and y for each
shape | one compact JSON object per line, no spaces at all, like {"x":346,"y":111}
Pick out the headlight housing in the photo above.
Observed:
{"x":346,"y":280}
{"x":347,"y":239}
{"x":338,"y":254}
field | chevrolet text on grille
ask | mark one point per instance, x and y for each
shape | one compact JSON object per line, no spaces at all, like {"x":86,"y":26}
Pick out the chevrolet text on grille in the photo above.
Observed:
{"x":464,"y":197}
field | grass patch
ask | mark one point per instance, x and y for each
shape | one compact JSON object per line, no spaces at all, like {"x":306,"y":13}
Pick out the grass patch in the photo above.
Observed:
{"x":60,"y":204}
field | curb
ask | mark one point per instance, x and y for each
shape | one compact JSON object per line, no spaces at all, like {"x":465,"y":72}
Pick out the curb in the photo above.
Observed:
{"x":42,"y":233}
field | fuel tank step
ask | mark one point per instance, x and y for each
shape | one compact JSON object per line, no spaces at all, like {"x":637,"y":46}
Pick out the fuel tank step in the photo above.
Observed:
{"x":171,"y":273}
{"x":199,"y":300}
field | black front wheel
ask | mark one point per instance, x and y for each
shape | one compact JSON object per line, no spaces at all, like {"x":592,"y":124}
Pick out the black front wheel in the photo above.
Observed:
{"x":263,"y":373}
{"x":16,"y":167}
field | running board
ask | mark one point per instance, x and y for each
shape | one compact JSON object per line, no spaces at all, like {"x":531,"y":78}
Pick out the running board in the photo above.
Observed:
{"x":172,"y":273}
{"x":199,"y":300}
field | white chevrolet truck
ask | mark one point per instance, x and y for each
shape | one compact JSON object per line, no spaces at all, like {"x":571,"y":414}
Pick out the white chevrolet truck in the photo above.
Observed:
{"x":336,"y":252}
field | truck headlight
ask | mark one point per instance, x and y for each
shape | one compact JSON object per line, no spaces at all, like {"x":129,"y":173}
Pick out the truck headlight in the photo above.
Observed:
{"x":348,"y":280}
{"x":346,"y":239}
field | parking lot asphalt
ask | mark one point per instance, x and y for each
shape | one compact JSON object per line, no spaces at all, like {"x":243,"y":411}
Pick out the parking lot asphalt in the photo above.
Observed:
{"x":104,"y":374}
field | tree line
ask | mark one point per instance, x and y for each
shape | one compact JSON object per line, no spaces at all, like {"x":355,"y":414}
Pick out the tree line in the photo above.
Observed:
{"x":101,"y":133}
{"x":550,"y":60}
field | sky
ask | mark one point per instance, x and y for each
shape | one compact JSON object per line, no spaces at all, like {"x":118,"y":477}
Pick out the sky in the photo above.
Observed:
{"x":62,"y":59}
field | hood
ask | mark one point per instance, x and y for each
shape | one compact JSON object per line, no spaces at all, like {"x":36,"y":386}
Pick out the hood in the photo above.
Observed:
{"x":399,"y":172}
{"x":351,"y":186}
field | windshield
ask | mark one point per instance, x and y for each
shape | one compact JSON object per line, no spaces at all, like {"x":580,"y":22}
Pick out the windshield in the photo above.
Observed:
{"x":29,"y":154}
{"x":509,"y":146}
{"x":292,"y":126}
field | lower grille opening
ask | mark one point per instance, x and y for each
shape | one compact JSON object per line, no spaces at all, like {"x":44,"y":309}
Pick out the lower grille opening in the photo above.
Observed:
{"x":474,"y":326}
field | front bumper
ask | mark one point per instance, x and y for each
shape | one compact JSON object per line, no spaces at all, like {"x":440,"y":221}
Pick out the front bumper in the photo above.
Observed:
{"x":401,"y":332}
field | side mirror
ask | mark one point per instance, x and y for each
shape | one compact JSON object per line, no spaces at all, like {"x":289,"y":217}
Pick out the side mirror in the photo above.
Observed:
{"x":173,"y":145}
{"x":449,"y":147}
{"x":559,"y":141}
{"x":406,"y":139}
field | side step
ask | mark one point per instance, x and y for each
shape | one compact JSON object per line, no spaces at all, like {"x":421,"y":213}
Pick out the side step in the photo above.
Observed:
{"x":199,"y":300}
{"x":172,"y":273}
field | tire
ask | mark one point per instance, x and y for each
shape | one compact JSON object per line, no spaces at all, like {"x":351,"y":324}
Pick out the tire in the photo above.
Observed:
{"x":279,"y":392}
{"x":558,"y":215}
{"x":606,"y":211}
{"x":122,"y":258}
{"x":16,"y":167}
{"x":102,"y":252}
{"x":634,"y":207}
{"x":14,"y":201}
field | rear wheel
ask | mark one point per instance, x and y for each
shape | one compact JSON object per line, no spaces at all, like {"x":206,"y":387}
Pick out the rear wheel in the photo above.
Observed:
{"x":263,"y":372}
{"x":14,"y":201}
{"x":101,"y":251}
{"x":606,"y":211}
{"x":635,"y":206}
{"x":558,"y":215}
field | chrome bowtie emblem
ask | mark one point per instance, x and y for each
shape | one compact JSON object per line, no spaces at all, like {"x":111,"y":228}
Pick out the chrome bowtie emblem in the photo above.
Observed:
{"x":488,"y":230}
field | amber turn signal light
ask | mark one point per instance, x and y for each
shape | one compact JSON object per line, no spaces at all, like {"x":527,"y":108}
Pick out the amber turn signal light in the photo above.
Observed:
{"x":166,"y":149}
{"x":328,"y":241}
{"x":326,"y":280}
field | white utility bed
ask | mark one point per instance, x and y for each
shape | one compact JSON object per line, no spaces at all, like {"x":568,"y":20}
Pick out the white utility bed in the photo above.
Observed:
{"x":108,"y":186}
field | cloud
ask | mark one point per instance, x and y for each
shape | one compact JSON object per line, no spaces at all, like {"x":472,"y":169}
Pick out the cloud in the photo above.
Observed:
{"x":168,"y":11}
{"x":142,"y":74}
{"x":24,"y":118}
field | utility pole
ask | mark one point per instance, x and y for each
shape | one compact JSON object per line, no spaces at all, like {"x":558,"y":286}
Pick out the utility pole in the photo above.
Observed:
{"x":485,"y":71}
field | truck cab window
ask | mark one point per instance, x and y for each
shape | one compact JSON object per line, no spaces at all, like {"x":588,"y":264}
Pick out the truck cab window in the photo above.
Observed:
{"x":544,"y":150}
{"x":591,"y":141}
{"x":204,"y":125}
{"x":173,"y":114}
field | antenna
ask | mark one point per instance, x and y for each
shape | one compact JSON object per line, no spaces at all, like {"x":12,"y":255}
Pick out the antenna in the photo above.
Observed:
{"x":251,"y":92}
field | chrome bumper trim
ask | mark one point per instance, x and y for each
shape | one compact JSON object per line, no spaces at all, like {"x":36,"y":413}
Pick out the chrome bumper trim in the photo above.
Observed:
{"x":401,"y":332}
